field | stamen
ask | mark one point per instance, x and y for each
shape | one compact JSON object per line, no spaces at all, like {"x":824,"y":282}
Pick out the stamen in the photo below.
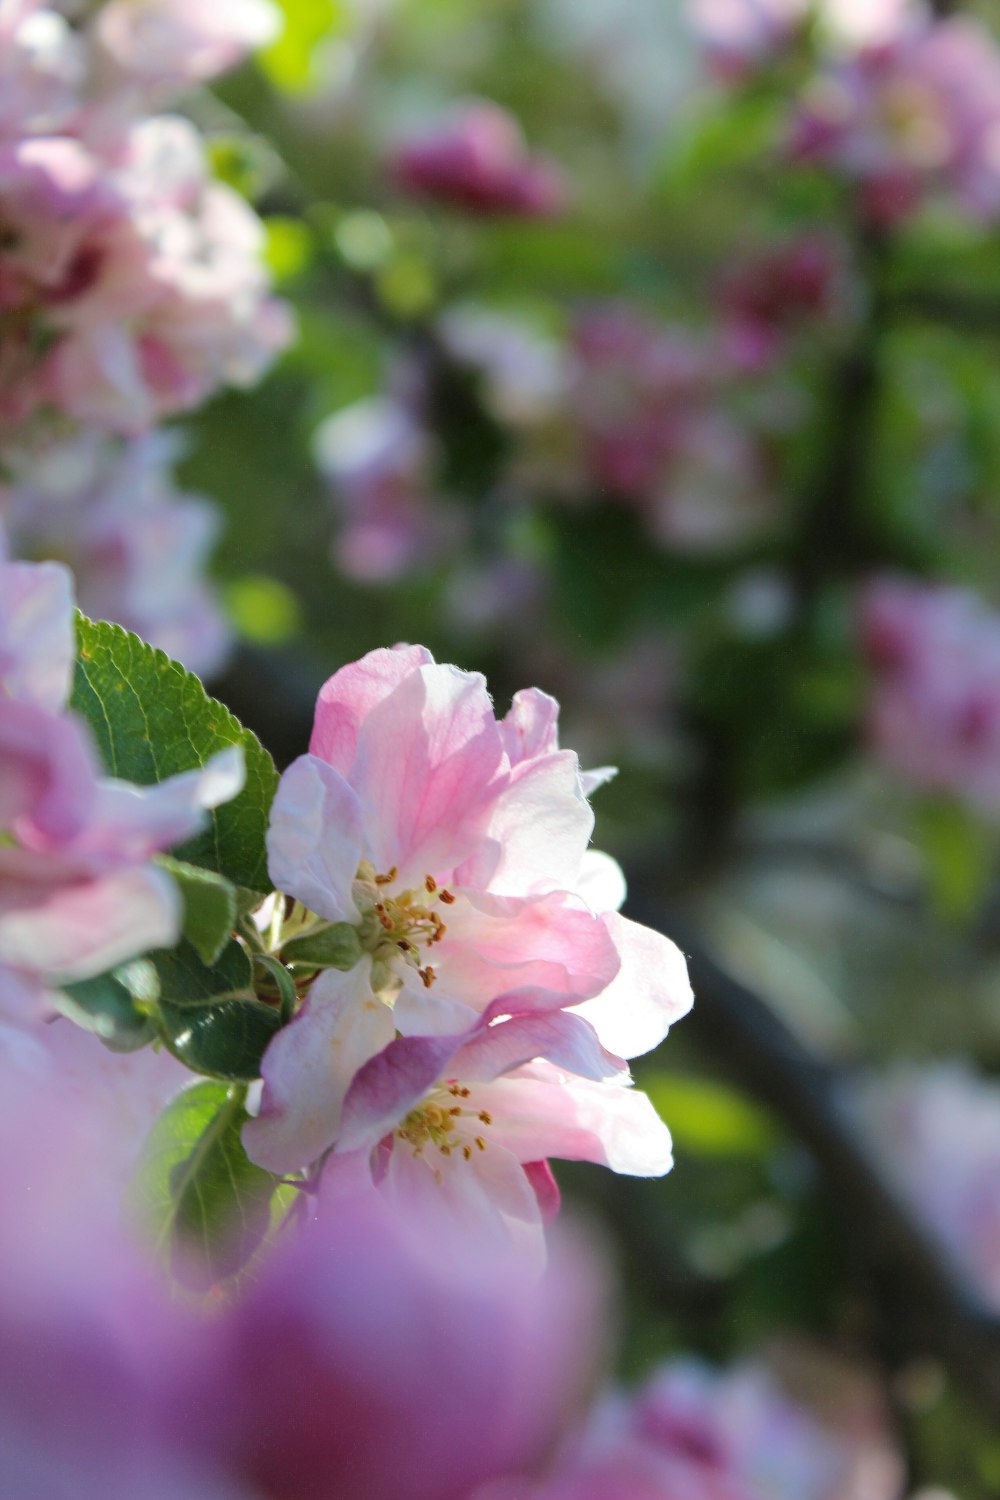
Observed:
{"x":387,"y":879}
{"x":430,"y":884}
{"x":446,"y":897}
{"x":486,"y":1117}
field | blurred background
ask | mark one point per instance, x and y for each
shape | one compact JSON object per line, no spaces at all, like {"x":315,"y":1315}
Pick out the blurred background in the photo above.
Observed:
{"x":649,"y":352}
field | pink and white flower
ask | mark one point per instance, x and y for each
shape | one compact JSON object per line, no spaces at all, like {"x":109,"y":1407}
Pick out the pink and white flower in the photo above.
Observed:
{"x":167,"y":44}
{"x":478,"y":161}
{"x":455,"y":847}
{"x":934,"y":710}
{"x":469,"y":1121}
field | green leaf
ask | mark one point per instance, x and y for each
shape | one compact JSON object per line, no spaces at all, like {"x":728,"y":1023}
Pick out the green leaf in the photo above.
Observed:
{"x":335,"y":947}
{"x":195,"y":1191}
{"x":152,"y":719}
{"x":116,"y":1006}
{"x":224,"y":1040}
{"x":209,"y":907}
{"x":707,"y":1118}
{"x":959,"y":851}
{"x":185,"y":980}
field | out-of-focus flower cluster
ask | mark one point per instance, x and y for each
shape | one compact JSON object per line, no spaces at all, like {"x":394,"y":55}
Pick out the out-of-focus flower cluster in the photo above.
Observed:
{"x":902,"y":106}
{"x":934,"y":711}
{"x":137,"y":547}
{"x":131,"y":281}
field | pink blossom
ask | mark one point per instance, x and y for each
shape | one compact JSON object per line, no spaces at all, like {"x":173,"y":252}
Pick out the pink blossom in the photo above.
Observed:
{"x":138,"y":547}
{"x":132,"y":285}
{"x":650,"y":405}
{"x":468,"y":1122}
{"x":936,"y":1132}
{"x":37,"y":639}
{"x":742,"y":35}
{"x":378,"y":459}
{"x":169,"y":43}
{"x":917,"y":117}
{"x":934,"y":711}
{"x":690,"y":1433}
{"x":110,"y":1387}
{"x":456,"y":846}
{"x":78,"y":893}
{"x":478,"y":161}
{"x":525,"y":374}
{"x":42,"y":64}
{"x":770,"y":297}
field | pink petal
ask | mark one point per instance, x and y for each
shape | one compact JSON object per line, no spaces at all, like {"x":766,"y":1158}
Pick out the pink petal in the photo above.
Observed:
{"x":650,"y":992}
{"x":545,"y":1189}
{"x":537,"y":833}
{"x":135,"y":822}
{"x":427,"y":757}
{"x":81,"y":930}
{"x":314,"y":839}
{"x":542,"y":1113}
{"x":494,"y":944}
{"x":601,"y":882}
{"x":349,"y":696}
{"x":37,"y":636}
{"x":530,"y":727}
{"x":558,"y":1036}
{"x":308,"y":1068}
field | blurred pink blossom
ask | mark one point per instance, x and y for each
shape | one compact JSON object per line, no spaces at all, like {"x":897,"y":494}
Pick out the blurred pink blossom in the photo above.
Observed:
{"x":137,"y":546}
{"x":650,"y":405}
{"x":742,"y":35}
{"x":919,"y":116}
{"x":768,"y":298}
{"x":319,"y":1379}
{"x":378,"y":460}
{"x":169,"y":43}
{"x":478,"y":161}
{"x":690,"y":1433}
{"x":934,"y":709}
{"x":936,"y":1132}
{"x":131,"y":283}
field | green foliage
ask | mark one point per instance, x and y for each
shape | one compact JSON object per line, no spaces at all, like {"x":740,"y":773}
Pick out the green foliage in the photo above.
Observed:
{"x":334,"y":947}
{"x":116,"y":1006}
{"x":210,"y":1016}
{"x":151,"y":720}
{"x":960,"y":855}
{"x":203,"y":1203}
{"x":707,"y":1118}
{"x":209,"y":906}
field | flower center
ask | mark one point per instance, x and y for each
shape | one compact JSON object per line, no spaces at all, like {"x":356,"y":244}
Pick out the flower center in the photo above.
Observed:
{"x":444,"y":1122}
{"x":396,"y":926}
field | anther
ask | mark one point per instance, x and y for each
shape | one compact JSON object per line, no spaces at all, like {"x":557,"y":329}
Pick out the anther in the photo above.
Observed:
{"x":486,"y":1117}
{"x":428,"y":976}
{"x":446,"y":897}
{"x":387,"y":879}
{"x":430,"y":884}
{"x":402,"y":943}
{"x":467,"y":1152}
{"x":480,"y":1143}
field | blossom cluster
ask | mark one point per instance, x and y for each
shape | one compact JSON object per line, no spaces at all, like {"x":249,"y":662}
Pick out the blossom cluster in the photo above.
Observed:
{"x":934,"y":713}
{"x":471,"y":989}
{"x":902,"y":106}
{"x":131,"y":281}
{"x":79,"y":892}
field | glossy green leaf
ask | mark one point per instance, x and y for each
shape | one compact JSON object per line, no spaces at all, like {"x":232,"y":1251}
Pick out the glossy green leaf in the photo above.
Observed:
{"x":226,"y":1039}
{"x":185,"y":980}
{"x":152,"y":719}
{"x":209,"y":907}
{"x":335,"y":947}
{"x":205,"y":1204}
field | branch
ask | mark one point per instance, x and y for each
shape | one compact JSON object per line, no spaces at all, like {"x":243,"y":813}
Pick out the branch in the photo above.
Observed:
{"x":925,"y":1307}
